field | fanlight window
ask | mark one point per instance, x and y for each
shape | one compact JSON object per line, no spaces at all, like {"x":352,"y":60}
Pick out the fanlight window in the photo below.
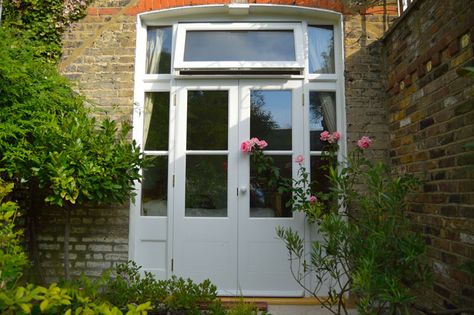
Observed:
{"x":239,"y":46}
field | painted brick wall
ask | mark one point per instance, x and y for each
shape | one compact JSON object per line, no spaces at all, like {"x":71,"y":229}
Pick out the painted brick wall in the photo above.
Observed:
{"x":431,"y":111}
{"x":99,"y":57}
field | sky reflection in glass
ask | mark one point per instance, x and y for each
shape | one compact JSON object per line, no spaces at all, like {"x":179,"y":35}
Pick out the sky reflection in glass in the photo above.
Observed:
{"x":239,"y":46}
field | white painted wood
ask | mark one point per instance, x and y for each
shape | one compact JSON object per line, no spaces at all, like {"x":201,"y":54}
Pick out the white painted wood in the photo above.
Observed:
{"x":205,"y":247}
{"x":263,"y":268}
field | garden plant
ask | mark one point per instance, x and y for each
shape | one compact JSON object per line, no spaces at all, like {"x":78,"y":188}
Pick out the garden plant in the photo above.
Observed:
{"x":121,"y":290}
{"x":366,"y":247}
{"x":17,"y":297}
{"x":51,"y":146}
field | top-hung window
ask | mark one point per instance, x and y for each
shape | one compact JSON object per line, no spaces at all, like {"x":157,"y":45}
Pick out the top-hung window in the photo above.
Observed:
{"x":239,"y":46}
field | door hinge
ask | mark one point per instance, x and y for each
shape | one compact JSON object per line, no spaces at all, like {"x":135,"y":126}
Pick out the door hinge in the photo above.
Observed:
{"x":172,"y":264}
{"x":302,"y":100}
{"x":173,"y":180}
{"x":174,"y":99}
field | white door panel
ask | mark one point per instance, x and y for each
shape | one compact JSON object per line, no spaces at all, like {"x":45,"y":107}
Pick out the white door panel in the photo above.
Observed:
{"x":205,"y":232}
{"x":235,"y":245}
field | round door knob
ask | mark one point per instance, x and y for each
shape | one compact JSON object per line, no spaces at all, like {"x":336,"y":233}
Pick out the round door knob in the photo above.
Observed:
{"x":243,"y":189}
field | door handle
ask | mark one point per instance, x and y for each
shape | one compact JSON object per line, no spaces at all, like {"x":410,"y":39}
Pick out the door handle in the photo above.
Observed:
{"x":243,"y":189}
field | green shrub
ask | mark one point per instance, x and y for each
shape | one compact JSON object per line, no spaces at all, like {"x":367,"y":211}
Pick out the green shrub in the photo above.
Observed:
{"x":32,"y":299}
{"x":367,"y":246}
{"x":50,"y":145}
{"x":124,"y":285}
{"x":12,"y":256}
{"x":243,"y":308}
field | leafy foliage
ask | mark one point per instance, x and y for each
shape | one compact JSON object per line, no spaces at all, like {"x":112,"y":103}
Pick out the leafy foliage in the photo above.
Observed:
{"x":124,"y":285}
{"x":466,"y":72}
{"x":12,"y":256}
{"x":44,"y":21}
{"x":46,"y":134}
{"x":367,"y":246}
{"x":32,"y":299}
{"x":49,"y":143}
{"x":244,"y":308}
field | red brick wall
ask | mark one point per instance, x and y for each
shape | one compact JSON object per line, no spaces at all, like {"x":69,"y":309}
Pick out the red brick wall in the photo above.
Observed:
{"x":431,"y":113}
{"x":149,"y":5}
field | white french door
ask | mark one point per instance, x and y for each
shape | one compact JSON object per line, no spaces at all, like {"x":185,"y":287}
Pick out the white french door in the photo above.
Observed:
{"x":225,"y":215}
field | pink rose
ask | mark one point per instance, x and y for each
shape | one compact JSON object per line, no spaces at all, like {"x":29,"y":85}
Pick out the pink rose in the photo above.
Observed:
{"x":246,"y":146}
{"x":364,"y":142}
{"x":299,"y":159}
{"x":336,"y":135}
{"x":324,"y":135}
{"x":313,"y":199}
{"x":262,"y":144}
{"x":254,"y":141}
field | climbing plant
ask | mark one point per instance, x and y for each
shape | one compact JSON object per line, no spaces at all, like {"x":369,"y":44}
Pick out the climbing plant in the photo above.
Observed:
{"x":44,"y":21}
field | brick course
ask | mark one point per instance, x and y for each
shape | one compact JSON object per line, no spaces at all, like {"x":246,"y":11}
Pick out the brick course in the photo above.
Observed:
{"x":431,"y":116}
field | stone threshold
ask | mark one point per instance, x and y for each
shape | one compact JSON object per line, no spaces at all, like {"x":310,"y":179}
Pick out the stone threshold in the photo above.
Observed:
{"x":263,"y":303}
{"x":274,"y":300}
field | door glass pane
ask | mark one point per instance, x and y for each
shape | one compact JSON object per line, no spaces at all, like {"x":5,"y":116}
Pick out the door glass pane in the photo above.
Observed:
{"x":207,"y":120}
{"x":322,"y":116}
{"x":319,"y":179}
{"x":270,"y":117}
{"x":265,"y":200}
{"x":321,"y":49}
{"x":240,"y":46}
{"x":206,"y":186}
{"x":158,"y":50}
{"x":319,"y":174}
{"x":155,"y":188}
{"x":155,"y":127}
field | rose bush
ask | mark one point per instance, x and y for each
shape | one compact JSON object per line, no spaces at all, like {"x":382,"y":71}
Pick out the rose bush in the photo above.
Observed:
{"x":365,"y":243}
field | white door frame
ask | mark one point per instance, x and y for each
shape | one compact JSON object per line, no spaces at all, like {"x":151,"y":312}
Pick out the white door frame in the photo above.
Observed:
{"x":239,"y":231}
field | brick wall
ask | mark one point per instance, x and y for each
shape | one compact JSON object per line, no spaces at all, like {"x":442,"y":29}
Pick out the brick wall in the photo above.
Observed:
{"x":364,"y":90}
{"x":431,"y":110}
{"x":99,"y":58}
{"x":98,"y":239}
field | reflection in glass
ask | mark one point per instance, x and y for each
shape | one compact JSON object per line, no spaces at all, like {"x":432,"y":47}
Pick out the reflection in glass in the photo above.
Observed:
{"x":319,"y":168}
{"x":155,"y":188}
{"x":319,"y":174}
{"x":155,"y":136}
{"x":207,"y":120}
{"x":322,"y":108}
{"x":239,"y":46}
{"x":206,"y":186}
{"x":321,"y":49}
{"x":270,"y":117}
{"x":265,"y":200}
{"x":158,"y":50}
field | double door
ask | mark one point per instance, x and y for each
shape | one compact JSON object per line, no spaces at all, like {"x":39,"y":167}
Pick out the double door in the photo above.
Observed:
{"x":225,"y":214}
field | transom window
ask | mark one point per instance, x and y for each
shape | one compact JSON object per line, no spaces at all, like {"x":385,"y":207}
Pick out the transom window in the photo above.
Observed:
{"x":239,"y":46}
